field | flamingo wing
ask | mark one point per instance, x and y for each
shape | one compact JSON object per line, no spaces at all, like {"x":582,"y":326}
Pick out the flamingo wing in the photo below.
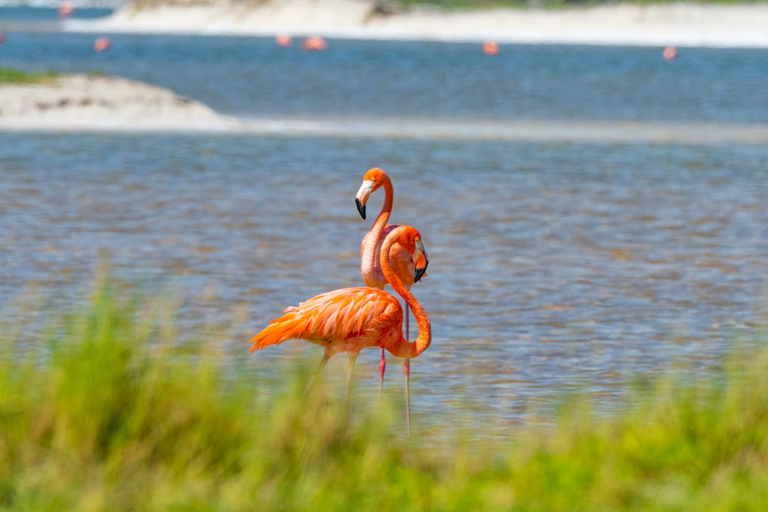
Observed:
{"x":350,"y":318}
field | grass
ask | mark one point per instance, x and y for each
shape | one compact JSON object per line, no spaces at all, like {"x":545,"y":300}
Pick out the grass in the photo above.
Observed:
{"x":16,"y":77}
{"x":107,"y":410}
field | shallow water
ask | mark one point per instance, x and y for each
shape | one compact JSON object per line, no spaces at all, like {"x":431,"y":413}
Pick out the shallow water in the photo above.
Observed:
{"x":554,"y":266}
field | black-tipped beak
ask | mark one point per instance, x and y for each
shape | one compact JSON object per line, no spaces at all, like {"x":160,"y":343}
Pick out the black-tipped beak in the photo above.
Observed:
{"x":419,"y":272}
{"x":360,"y":207}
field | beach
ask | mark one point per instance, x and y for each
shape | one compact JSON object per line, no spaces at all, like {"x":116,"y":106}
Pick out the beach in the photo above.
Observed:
{"x":680,"y":24}
{"x":97,"y":102}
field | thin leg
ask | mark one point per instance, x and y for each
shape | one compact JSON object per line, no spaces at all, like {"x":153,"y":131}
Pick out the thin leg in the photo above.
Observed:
{"x":407,"y":373}
{"x":349,"y":377}
{"x":320,"y":367}
{"x":407,"y":326}
{"x":382,"y":367}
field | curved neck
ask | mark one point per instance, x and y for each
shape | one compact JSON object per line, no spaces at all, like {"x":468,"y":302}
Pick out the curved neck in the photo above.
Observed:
{"x":370,"y":255}
{"x":386,"y":208}
{"x":402,"y":347}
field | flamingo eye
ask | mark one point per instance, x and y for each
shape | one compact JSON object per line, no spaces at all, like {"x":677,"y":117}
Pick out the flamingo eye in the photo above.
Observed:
{"x":417,"y":239}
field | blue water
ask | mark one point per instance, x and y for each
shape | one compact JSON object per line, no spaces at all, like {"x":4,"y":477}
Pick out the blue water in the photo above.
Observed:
{"x":253,"y":77}
{"x":553,"y":266}
{"x":19,"y":13}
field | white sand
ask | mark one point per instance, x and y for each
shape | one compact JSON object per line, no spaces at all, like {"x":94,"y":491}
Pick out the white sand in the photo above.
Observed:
{"x":78,"y":102}
{"x":647,"y":25}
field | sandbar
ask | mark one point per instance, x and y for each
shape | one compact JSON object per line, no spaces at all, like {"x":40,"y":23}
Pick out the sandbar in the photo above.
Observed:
{"x":678,"y":24}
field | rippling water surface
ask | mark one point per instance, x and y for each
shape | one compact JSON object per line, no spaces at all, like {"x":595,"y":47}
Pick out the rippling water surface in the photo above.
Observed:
{"x":554,"y":266}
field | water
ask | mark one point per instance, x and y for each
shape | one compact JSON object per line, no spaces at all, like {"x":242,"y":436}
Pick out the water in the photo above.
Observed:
{"x":553,"y":266}
{"x":252,"y":77}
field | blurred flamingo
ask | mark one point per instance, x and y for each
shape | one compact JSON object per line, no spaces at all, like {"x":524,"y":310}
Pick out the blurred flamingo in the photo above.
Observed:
{"x":283,"y":40}
{"x":102,"y":44}
{"x":65,"y":10}
{"x":351,"y":319}
{"x":491,"y":48}
{"x":370,"y":250}
{"x":670,"y":53}
{"x":314,"y":44}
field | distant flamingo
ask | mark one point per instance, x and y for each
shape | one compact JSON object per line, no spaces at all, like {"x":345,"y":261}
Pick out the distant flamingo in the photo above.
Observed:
{"x":351,"y":319}
{"x":370,"y":249}
{"x":102,"y":44}
{"x":670,"y":53}
{"x":491,"y":48}
{"x":283,"y":40}
{"x":314,"y":43}
{"x":65,"y":10}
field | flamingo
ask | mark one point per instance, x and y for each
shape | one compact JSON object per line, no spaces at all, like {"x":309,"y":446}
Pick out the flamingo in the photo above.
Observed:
{"x":371,"y":248}
{"x":351,"y":319}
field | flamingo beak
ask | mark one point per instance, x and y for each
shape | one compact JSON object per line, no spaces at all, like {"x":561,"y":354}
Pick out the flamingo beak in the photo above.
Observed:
{"x":362,"y":196}
{"x":421,"y":256}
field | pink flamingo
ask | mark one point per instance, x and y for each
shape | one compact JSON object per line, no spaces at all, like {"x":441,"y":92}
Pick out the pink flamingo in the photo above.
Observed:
{"x":351,"y":319}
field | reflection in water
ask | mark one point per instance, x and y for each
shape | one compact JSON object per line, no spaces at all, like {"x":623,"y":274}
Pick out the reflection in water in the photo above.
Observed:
{"x":553,"y":266}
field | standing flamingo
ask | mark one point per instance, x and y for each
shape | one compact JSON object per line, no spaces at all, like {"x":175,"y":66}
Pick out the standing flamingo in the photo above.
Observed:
{"x":351,"y":319}
{"x":370,"y":251}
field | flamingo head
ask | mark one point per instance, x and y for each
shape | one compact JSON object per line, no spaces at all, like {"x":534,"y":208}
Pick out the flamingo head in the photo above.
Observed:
{"x":372,"y":180}
{"x":410,"y":240}
{"x":420,"y":257}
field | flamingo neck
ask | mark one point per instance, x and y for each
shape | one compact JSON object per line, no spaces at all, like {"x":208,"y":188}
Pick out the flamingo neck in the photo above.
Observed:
{"x":402,"y":347}
{"x":370,"y":257}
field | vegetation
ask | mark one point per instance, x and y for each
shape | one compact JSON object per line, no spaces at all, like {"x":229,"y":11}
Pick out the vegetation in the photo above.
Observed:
{"x":108,"y":410}
{"x":14,"y":76}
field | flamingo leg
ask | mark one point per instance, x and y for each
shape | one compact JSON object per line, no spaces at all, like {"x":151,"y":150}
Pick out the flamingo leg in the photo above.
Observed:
{"x":319,"y":370}
{"x":407,"y":326}
{"x":382,"y":367}
{"x":349,"y":377}
{"x":407,"y":373}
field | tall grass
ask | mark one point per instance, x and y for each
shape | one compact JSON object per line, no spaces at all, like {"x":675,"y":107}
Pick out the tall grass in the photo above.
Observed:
{"x":103,"y":412}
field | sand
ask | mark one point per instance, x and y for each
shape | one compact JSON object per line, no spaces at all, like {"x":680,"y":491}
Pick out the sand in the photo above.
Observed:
{"x":80,"y":102}
{"x":645,"y":25}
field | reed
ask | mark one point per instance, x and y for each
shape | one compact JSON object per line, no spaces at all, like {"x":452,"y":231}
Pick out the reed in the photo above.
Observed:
{"x":108,"y":410}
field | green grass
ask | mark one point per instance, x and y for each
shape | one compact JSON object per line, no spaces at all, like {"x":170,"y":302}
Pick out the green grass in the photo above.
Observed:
{"x":108,"y":410}
{"x":14,"y":76}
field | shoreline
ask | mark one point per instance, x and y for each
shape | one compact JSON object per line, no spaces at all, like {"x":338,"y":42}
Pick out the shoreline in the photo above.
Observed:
{"x":469,"y":130}
{"x":686,"y":25}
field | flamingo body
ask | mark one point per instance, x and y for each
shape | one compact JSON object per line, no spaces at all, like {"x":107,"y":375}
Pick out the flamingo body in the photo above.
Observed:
{"x":351,"y":319}
{"x":346,"y":320}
